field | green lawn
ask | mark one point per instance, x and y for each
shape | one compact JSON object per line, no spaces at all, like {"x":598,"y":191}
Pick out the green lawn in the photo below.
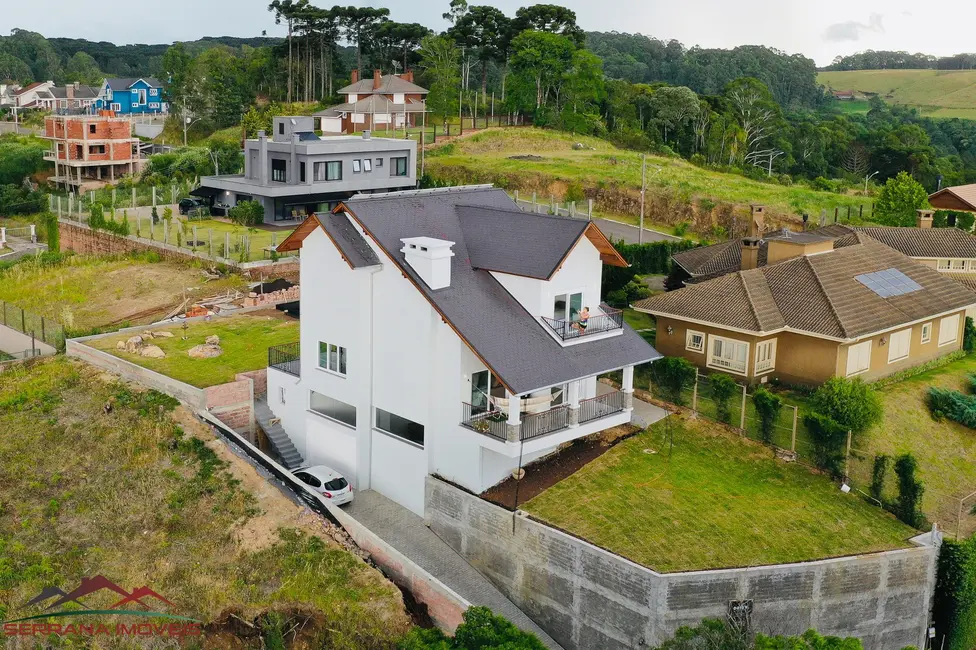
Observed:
{"x":946,"y":451}
{"x":712,"y":501}
{"x":639,"y":320}
{"x":486,"y":157}
{"x":260,"y":238}
{"x":244,"y":338}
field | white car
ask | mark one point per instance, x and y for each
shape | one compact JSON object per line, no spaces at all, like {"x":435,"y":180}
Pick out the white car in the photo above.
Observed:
{"x":326,"y":481}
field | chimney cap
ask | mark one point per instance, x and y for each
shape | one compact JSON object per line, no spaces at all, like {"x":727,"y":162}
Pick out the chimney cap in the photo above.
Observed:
{"x":427,"y":246}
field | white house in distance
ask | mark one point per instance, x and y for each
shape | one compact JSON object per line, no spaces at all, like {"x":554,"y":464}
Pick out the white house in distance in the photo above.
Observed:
{"x":440,"y":335}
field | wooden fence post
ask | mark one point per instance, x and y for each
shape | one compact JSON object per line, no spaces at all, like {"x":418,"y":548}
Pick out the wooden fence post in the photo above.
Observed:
{"x":134,"y":197}
{"x":793,"y":440}
{"x":227,"y":245}
{"x":194,"y":246}
{"x":847,"y":456}
{"x":742,"y":413}
{"x":210,"y":239}
{"x":694,"y":395}
{"x":589,"y":209}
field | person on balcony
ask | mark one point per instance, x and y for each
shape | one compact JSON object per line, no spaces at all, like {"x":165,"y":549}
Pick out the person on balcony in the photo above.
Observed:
{"x":581,"y":323}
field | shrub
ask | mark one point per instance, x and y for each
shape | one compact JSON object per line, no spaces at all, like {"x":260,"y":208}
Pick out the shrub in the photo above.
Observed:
{"x":910,"y":491}
{"x":481,"y":630}
{"x":247,"y":213}
{"x":722,"y":388}
{"x":829,"y":439}
{"x":940,"y":219}
{"x":964,"y":221}
{"x":681,"y":228}
{"x":878,"y":473}
{"x":951,"y":404}
{"x":898,"y":200}
{"x":849,"y":402}
{"x":672,"y":375}
{"x":954,"y":608}
{"x":969,"y":336}
{"x":822,"y":184}
{"x":574,"y":192}
{"x":768,"y":407}
{"x":50,"y":222}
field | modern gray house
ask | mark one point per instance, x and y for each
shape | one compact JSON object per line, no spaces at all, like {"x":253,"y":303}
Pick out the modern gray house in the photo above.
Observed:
{"x":296,"y":173}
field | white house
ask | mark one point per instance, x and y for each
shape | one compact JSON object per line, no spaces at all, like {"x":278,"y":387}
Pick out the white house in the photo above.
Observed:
{"x":427,"y":315}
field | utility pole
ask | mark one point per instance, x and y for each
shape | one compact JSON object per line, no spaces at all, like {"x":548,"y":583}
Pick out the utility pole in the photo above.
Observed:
{"x":640,"y":233}
{"x":866,"y":179}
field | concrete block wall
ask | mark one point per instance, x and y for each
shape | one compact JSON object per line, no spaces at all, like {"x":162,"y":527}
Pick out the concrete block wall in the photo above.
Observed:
{"x":259,"y":377}
{"x":586,"y":597}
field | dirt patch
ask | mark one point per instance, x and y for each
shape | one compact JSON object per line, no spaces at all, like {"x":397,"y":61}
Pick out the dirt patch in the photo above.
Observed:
{"x":527,"y":156}
{"x":542,"y":474}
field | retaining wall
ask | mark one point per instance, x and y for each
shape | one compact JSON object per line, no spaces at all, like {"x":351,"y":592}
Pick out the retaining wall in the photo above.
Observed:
{"x":81,"y":239}
{"x":585,"y":597}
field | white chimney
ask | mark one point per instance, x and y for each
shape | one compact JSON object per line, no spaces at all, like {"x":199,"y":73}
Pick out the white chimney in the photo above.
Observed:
{"x":430,"y":258}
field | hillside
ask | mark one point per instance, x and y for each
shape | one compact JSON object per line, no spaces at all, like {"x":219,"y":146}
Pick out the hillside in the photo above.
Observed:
{"x":546,"y":162}
{"x":938,"y":93}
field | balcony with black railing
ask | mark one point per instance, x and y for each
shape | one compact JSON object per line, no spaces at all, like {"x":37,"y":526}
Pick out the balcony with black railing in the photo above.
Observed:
{"x":601,"y":406}
{"x":603,"y":321}
{"x":286,"y":358}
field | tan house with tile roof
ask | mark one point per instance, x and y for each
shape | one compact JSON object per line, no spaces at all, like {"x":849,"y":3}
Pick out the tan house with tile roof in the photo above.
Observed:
{"x":817,"y":311}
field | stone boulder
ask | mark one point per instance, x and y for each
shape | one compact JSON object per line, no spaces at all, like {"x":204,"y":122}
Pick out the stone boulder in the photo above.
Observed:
{"x":153,"y":352}
{"x":163,"y":335}
{"x":133,"y":344}
{"x":205,"y":351}
{"x":213,"y":340}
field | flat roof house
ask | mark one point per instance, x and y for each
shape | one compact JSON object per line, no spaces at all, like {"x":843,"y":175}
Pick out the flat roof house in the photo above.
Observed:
{"x":441,"y":334}
{"x":814,"y":310}
{"x":296,"y":173}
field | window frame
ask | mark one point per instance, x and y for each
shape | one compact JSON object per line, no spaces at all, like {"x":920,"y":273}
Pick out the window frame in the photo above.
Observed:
{"x":712,"y":338}
{"x":954,"y":329}
{"x":961,"y":265}
{"x":870,"y":349}
{"x":116,"y":107}
{"x":355,"y":413}
{"x":943,"y":264}
{"x":926,"y":326}
{"x":324,"y":166}
{"x":283,"y":170}
{"x":357,"y":166}
{"x":905,"y":334}
{"x":367,"y":165}
{"x":341,"y":359}
{"x":92,"y":129}
{"x":379,"y":163}
{"x":301,"y":171}
{"x":688,"y":346}
{"x":395,"y":166}
{"x":770,"y":345}
{"x":387,"y":429}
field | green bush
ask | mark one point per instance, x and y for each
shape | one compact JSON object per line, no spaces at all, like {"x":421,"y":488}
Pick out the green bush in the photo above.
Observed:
{"x":954,"y":608}
{"x":481,"y":630}
{"x":574,"y":192}
{"x":672,"y":375}
{"x":829,"y":439}
{"x":50,"y":223}
{"x":969,"y":336}
{"x":822,"y":184}
{"x":964,"y":221}
{"x":910,"y":491}
{"x":247,"y":213}
{"x":768,"y":407}
{"x":878,"y":473}
{"x":951,"y":404}
{"x":849,"y":402}
{"x":653,"y":257}
{"x":714,"y":634}
{"x":722,"y":388}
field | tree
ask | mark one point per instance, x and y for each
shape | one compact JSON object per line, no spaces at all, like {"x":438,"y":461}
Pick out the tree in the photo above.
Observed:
{"x":672,"y":375}
{"x":34,"y":50}
{"x":768,"y":407}
{"x":401,"y":40}
{"x":898,"y":200}
{"x":247,"y":213}
{"x":910,"y":491}
{"x":13,"y":69}
{"x":82,"y":68}
{"x":549,"y":18}
{"x":20,"y":157}
{"x":542,"y":58}
{"x":457,"y":11}
{"x":440,"y":60}
{"x":486,"y":30}
{"x":758,"y":116}
{"x":359,"y":26}
{"x":828,"y":440}
{"x":722,"y":388}
{"x":287,"y":10}
{"x":673,"y":106}
{"x":850,"y":403}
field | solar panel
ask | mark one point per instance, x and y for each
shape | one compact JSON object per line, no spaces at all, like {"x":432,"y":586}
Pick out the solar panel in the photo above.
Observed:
{"x":888,"y":283}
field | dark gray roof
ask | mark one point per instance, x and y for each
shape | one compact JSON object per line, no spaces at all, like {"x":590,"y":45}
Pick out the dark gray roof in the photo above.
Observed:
{"x":350,"y":243}
{"x":124,"y":84}
{"x":509,"y":240}
{"x":81,"y":92}
{"x":498,"y":328}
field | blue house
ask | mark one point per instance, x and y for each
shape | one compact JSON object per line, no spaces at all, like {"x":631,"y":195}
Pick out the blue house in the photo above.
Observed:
{"x":132,"y":96}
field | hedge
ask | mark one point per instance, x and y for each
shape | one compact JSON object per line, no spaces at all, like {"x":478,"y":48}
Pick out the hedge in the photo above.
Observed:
{"x":954,"y":608}
{"x":653,"y":257}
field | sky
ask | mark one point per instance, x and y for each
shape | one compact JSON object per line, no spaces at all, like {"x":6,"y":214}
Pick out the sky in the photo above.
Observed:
{"x":820,"y":30}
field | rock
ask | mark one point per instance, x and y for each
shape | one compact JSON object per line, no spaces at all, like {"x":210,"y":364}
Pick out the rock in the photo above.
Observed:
{"x":163,"y":334}
{"x":147,"y":334}
{"x":120,"y":345}
{"x":153,"y":352}
{"x":205,"y":351}
{"x":133,"y":344}
{"x":213,"y":340}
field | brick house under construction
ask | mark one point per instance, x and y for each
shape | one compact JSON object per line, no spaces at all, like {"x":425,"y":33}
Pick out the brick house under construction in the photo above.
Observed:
{"x":90,"y":151}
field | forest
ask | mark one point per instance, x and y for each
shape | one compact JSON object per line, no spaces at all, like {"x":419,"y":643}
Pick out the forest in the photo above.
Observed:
{"x":752,"y":109}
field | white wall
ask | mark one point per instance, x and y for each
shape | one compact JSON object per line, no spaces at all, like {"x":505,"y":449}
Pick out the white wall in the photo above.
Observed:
{"x":399,"y":470}
{"x":328,"y":443}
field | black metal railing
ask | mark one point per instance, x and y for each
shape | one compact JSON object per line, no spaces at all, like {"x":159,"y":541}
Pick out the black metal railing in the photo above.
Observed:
{"x":602,"y":406}
{"x":486,"y":420}
{"x":286,"y":358}
{"x":567,"y":330}
{"x":539,"y":424}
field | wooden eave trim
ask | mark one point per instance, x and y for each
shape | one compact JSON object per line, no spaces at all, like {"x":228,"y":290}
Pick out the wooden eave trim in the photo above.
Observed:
{"x":293,"y":242}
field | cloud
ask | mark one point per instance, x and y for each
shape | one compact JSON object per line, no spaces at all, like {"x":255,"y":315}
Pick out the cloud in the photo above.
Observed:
{"x":851,"y":30}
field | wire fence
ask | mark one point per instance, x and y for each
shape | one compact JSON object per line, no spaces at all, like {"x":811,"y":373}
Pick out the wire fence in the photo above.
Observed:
{"x":74,"y":205}
{"x":41,"y":328}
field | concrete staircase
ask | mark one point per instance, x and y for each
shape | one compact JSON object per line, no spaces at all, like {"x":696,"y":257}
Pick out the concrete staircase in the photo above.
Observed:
{"x":280,"y":441}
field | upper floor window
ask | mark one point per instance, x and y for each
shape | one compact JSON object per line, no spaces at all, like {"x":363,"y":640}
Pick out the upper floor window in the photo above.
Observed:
{"x":398,"y":166}
{"x":332,"y":357}
{"x":281,"y":128}
{"x":367,"y":165}
{"x":96,"y":148}
{"x":141,"y":96}
{"x":958,"y":265}
{"x":356,"y":166}
{"x":301,"y":172}
{"x":328,"y":171}
{"x":279,"y":171}
{"x":91,"y":128}
{"x":154,"y":91}
{"x":400,"y":427}
{"x":332,"y":408}
{"x":398,"y":98}
{"x":943,"y":265}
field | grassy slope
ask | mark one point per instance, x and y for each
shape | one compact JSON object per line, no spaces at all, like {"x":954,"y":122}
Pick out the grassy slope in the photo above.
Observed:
{"x":939,"y":93}
{"x":245,"y":340}
{"x":946,"y":451}
{"x":715,"y":501}
{"x":128,"y":496}
{"x":89,"y":291}
{"x":485,"y":157}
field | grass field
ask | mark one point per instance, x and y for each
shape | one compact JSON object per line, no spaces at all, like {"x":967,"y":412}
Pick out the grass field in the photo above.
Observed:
{"x":244,"y":338}
{"x":938,"y":93}
{"x":713,"y":500}
{"x":144,"y":495}
{"x":85,"y":292}
{"x":259,"y":237}
{"x":488,"y":157}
